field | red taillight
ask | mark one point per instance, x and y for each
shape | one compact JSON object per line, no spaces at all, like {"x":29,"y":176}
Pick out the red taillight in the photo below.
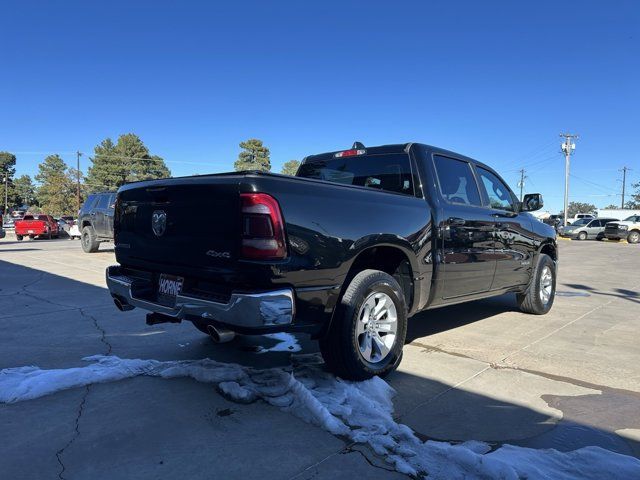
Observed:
{"x":349,"y":153}
{"x":262,"y":227}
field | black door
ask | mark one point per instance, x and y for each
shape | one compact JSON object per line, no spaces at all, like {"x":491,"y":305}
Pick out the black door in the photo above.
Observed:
{"x":513,"y":238}
{"x":99,"y":215}
{"x":467,"y":230}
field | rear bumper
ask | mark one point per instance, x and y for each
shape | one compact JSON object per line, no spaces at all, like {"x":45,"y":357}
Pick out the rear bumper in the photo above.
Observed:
{"x":272,"y":310}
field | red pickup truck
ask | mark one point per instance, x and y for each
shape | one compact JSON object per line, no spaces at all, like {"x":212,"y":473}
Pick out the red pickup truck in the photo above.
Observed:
{"x":36,"y":226}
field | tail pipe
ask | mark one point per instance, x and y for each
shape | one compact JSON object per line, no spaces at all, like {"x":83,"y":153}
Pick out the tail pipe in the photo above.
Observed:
{"x":220,"y":335}
{"x":122,"y":305}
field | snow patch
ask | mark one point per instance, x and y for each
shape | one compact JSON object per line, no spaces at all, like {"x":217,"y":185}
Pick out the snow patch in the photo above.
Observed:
{"x":361,"y":411}
{"x":286,"y":343}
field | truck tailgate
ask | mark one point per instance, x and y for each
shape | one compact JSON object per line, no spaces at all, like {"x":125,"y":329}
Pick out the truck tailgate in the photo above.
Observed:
{"x":172,"y":224}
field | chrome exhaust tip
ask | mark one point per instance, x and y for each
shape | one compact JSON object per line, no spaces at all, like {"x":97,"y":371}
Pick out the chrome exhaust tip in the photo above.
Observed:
{"x":120,"y":305}
{"x":220,"y":335}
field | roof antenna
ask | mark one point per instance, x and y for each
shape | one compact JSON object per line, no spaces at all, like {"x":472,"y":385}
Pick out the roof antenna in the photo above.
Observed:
{"x":357,"y":145}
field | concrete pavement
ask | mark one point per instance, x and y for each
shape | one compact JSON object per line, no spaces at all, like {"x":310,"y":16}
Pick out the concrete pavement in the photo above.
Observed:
{"x":480,"y":371}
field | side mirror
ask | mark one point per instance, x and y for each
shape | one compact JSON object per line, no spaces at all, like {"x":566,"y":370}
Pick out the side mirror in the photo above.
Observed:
{"x":532,"y":202}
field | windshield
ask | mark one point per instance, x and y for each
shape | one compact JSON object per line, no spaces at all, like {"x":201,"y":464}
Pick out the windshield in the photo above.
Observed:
{"x":632,"y":218}
{"x":391,"y":172}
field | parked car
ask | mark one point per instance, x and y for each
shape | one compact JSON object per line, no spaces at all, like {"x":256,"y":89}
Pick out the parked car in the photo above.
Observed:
{"x":553,"y":220}
{"x":96,"y":221}
{"x":358,"y":241}
{"x":564,"y":231}
{"x":592,"y":229}
{"x":36,"y":226}
{"x":628,"y":229}
{"x":2,"y":232}
{"x":74,"y":231}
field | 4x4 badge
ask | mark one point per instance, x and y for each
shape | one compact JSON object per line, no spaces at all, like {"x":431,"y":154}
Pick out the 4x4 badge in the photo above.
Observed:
{"x":159,"y":222}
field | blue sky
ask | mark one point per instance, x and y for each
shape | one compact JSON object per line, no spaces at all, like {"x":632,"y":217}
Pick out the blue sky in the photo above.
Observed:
{"x":496,"y":80}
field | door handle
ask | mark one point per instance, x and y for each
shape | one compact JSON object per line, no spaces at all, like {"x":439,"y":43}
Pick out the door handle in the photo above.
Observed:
{"x":456,"y":221}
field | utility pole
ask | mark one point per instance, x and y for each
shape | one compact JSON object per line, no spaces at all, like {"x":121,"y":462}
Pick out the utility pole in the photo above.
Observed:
{"x":567,"y":148}
{"x":521,"y":182}
{"x":78,"y":154}
{"x":624,"y":183}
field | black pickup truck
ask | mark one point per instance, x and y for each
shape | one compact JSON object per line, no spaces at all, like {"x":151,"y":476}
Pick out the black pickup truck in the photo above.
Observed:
{"x":358,"y":241}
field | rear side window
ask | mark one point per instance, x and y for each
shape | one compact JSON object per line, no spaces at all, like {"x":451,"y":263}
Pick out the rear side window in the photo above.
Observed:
{"x":390,"y":172}
{"x":103,"y":202}
{"x":457,"y":183}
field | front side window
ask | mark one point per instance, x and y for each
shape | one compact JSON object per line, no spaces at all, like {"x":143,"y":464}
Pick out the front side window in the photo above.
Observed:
{"x":457,"y":183}
{"x":498,"y":193}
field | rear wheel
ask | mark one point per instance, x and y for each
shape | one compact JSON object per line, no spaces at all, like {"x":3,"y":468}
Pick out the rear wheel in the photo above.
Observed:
{"x":369,"y":328}
{"x":582,"y":236}
{"x":539,"y":297}
{"x":90,"y":243}
{"x":633,"y":237}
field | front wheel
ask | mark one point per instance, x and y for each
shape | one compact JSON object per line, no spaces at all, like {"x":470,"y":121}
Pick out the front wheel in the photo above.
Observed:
{"x":19,"y":238}
{"x":539,"y":297}
{"x":633,"y":237}
{"x":368,"y":329}
{"x":582,"y":236}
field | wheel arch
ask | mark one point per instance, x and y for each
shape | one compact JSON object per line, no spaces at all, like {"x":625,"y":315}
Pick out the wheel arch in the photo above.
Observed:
{"x":549,"y":247}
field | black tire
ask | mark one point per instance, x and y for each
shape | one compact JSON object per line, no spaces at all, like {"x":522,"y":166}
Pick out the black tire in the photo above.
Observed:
{"x":582,"y":236}
{"x":19,"y":238}
{"x":89,"y":241}
{"x":31,"y":237}
{"x":633,"y":237}
{"x":340,"y":348}
{"x":531,"y":301}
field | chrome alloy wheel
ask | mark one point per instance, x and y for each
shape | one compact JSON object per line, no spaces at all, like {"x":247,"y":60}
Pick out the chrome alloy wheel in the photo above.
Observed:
{"x":546,"y":284}
{"x":377,"y":327}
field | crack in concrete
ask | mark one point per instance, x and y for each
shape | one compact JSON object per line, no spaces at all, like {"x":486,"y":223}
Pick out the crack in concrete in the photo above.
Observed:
{"x":103,"y":332}
{"x":349,"y":449}
{"x":76,"y":433}
{"x":76,"y":430}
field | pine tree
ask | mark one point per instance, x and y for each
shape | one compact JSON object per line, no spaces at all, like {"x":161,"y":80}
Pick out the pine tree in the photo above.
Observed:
{"x":25,"y":191}
{"x":290,"y":167}
{"x":56,"y":191}
{"x":7,"y":170}
{"x":254,"y":156}
{"x":128,"y":160}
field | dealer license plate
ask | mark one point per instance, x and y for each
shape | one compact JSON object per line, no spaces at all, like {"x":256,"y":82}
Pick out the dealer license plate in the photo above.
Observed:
{"x":169,"y":286}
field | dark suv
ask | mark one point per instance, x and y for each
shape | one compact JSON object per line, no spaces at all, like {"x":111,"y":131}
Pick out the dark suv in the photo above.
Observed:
{"x":96,"y":220}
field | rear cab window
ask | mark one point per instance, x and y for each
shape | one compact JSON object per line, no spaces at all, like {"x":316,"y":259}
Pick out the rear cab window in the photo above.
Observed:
{"x":390,"y":172}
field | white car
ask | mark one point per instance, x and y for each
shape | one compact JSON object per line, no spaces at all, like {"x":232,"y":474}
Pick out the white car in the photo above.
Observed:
{"x":74,"y":232}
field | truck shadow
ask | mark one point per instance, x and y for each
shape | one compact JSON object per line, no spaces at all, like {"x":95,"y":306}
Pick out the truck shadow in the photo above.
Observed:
{"x":442,"y":319}
{"x":433,"y":408}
